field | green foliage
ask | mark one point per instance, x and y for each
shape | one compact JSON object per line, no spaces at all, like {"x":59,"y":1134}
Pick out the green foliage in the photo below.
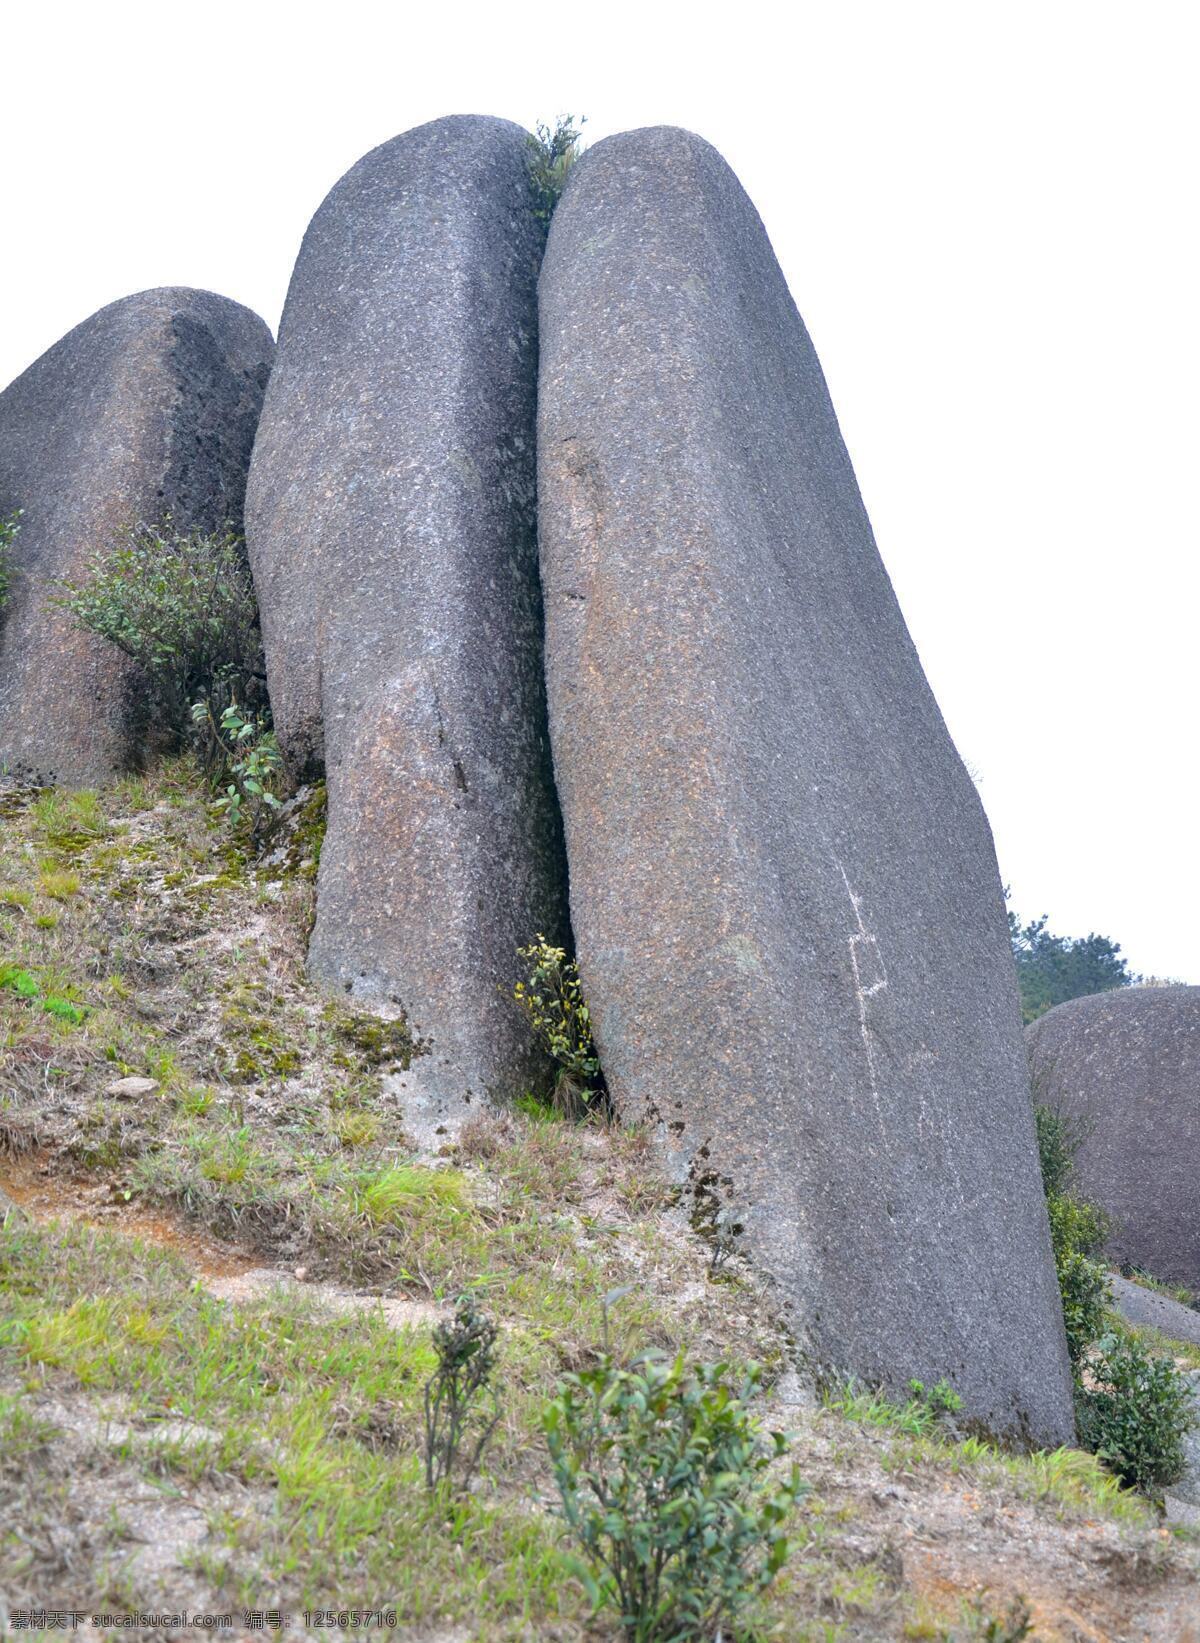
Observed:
{"x":1083,"y":1285}
{"x":1058,"y":1140}
{"x":30,"y":989}
{"x":667,"y":1487}
{"x":1136,"y":1412}
{"x":9,"y":530}
{"x":1076,"y":1225}
{"x":394,"y":1193}
{"x":1133,"y":1408}
{"x":552,"y":153}
{"x":1014,"y":1626}
{"x":246,"y":748}
{"x":536,"y":1108}
{"x":923,"y":1413}
{"x":941,"y":1399}
{"x":552,"y":998}
{"x":1051,"y":969}
{"x":182,"y":606}
{"x":19,"y":981}
{"x":461,"y":1406}
{"x":1077,"y":1232}
{"x":68,"y":821}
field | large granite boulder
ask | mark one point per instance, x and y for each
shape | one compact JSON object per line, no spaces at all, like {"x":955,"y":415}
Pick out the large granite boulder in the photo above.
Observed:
{"x":148,"y":408}
{"x":783,"y":888}
{"x":391,"y":526}
{"x":1124,"y":1068}
{"x":1153,"y":1309}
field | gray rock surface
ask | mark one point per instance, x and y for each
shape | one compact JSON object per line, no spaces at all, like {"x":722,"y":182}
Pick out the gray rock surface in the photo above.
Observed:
{"x":1150,"y":1309}
{"x":391,"y":524}
{"x":147,"y":408}
{"x":1124,"y":1067}
{"x":783,"y":888}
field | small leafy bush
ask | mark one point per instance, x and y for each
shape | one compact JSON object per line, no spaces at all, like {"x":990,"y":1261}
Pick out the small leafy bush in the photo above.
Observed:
{"x":670,"y":1491}
{"x":9,"y":530}
{"x":1058,"y":1140}
{"x":246,"y":749}
{"x":1133,"y":1408}
{"x":1136,"y":1412}
{"x":1076,"y":1225}
{"x":1083,"y":1285}
{"x":461,"y":1405}
{"x":552,"y":153}
{"x":552,"y":999}
{"x":1077,"y":1230}
{"x":182,"y":606}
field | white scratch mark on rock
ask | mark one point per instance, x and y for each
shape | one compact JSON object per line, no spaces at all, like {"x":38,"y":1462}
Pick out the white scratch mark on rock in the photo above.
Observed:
{"x":870,"y":977}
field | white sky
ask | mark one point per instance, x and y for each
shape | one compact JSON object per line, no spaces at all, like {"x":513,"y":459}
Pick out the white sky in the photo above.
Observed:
{"x":987,"y":215}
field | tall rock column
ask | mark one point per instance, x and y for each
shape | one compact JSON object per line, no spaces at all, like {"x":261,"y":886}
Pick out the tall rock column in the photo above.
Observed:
{"x":148,"y":408}
{"x":783,"y":888}
{"x":392,"y":535}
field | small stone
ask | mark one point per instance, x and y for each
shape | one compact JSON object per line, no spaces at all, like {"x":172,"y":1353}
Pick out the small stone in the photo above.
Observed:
{"x":128,"y":1089}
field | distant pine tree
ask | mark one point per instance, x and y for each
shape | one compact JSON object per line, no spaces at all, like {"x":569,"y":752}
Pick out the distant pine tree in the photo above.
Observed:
{"x":1051,"y":969}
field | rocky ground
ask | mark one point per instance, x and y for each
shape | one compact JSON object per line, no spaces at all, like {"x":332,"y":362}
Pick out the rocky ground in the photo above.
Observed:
{"x":218,"y":1282}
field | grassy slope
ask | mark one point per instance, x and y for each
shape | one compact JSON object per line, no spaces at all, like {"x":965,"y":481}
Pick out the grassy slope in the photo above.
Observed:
{"x":265,"y":1450}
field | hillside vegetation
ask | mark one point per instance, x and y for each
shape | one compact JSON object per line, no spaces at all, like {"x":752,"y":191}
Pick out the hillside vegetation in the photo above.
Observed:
{"x":219,"y":1287}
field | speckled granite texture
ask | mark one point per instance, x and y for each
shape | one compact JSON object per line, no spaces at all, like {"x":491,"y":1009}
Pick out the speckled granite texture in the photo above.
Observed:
{"x":1151,"y":1309}
{"x":147,"y":408}
{"x":1124,"y":1066}
{"x":783,"y":887}
{"x":391,"y":524}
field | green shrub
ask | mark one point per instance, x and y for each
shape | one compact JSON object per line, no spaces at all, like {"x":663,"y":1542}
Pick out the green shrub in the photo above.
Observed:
{"x":1058,"y":1140}
{"x":1135,"y":1412}
{"x":9,"y":530}
{"x":552,"y":153}
{"x":1077,"y":1229}
{"x":667,"y":1486}
{"x":1133,"y":1409}
{"x":1076,"y":1226}
{"x":245,"y":750}
{"x":182,"y":606}
{"x":461,"y":1405}
{"x":1083,"y":1285}
{"x":552,"y":999}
